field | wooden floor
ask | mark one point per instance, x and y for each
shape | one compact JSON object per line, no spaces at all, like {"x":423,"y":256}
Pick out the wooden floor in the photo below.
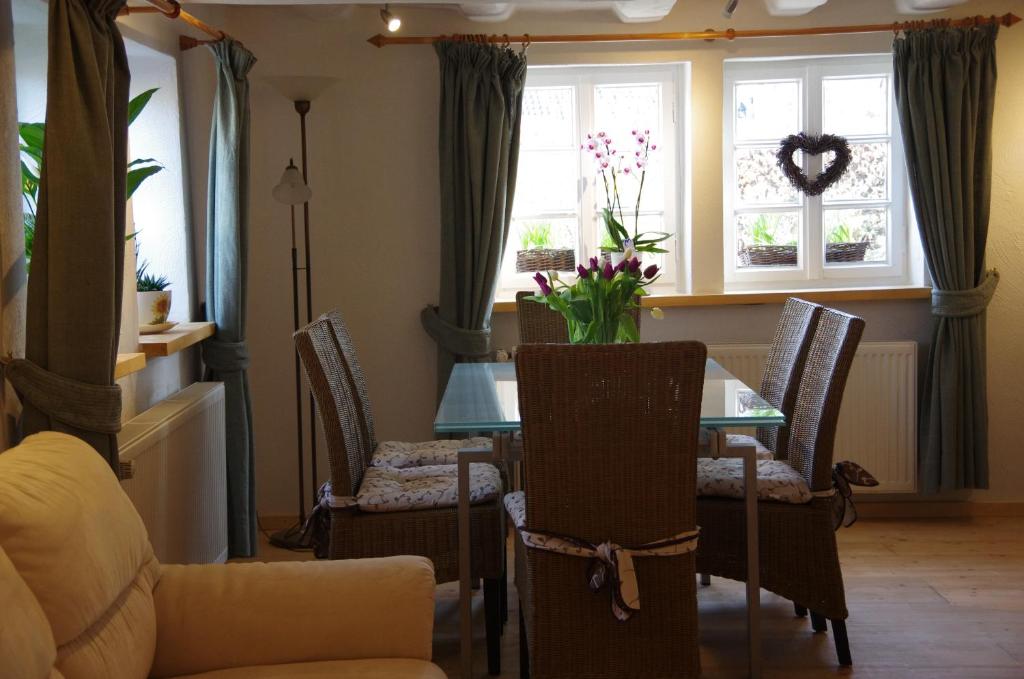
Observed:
{"x":928,"y":599}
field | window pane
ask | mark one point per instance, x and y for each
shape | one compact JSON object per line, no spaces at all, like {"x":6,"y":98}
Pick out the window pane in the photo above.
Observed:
{"x":548,"y":114}
{"x":767,"y":110}
{"x":767,"y":239}
{"x":867,"y":178}
{"x":759,"y":180}
{"x":853,"y":106}
{"x":547,"y":181}
{"x":856,"y":235}
{"x":620,"y":109}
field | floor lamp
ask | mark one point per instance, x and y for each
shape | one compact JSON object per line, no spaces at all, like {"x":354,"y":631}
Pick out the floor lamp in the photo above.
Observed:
{"x":294,"y":190}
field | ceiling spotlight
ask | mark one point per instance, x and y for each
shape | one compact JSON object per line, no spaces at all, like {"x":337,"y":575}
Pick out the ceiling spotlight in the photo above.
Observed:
{"x":730,"y":7}
{"x":390,"y":20}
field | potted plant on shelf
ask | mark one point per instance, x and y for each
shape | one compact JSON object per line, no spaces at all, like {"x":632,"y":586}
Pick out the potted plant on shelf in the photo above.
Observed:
{"x":537,"y":253}
{"x":597,"y":305}
{"x":614,"y":167}
{"x":841,"y":247}
{"x":767,"y":248}
{"x":153,"y":299}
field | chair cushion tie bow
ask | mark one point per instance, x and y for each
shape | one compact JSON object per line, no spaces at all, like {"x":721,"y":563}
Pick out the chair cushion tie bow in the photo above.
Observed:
{"x":844,"y":475}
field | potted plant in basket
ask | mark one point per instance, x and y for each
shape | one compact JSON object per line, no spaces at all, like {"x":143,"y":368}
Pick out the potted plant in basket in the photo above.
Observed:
{"x":615,"y":167}
{"x":537,"y":252}
{"x":597,"y":306}
{"x":153,"y":299}
{"x":841,"y":247}
{"x":767,"y":247}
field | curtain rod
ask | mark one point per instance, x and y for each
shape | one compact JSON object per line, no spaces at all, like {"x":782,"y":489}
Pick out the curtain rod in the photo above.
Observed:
{"x":708,"y":35}
{"x":172,"y":10}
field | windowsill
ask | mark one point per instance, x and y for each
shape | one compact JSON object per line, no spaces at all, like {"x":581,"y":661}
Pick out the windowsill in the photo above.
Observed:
{"x":176,"y":339}
{"x":821,"y":295}
{"x":129,"y":363}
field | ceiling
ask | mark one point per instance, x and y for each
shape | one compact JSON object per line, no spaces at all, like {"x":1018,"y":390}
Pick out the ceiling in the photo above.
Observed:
{"x":627,"y":11}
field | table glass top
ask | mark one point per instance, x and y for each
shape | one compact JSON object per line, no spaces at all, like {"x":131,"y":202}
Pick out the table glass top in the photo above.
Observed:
{"x":485,"y":397}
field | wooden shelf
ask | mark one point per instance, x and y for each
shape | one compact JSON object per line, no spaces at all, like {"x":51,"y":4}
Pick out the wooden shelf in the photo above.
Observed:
{"x":128,"y":364}
{"x":821,"y":296}
{"x":174,"y":340}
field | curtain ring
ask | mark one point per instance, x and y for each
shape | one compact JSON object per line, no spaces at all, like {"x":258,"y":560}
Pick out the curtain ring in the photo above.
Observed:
{"x":506,"y":42}
{"x":526,"y":43}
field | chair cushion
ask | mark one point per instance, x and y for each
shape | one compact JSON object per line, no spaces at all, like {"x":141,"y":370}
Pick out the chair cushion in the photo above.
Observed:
{"x":776,"y":480}
{"x":400,"y":454}
{"x":385,"y":668}
{"x":515,"y":505}
{"x":734,"y":441}
{"x":386,"y":489}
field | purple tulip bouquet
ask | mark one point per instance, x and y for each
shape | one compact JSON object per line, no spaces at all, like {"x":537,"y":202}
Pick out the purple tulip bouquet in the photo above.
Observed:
{"x":596,"y":307}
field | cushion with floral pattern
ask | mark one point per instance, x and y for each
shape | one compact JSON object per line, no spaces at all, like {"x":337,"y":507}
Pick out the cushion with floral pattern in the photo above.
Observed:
{"x":515,"y":505}
{"x":401,"y":454}
{"x":733,"y":441}
{"x":776,"y":480}
{"x":387,"y":489}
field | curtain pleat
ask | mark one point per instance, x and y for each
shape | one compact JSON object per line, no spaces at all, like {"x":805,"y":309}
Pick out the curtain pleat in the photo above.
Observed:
{"x":945,"y":82}
{"x":12,"y":237}
{"x":74,"y":292}
{"x":227,"y":242}
{"x":478,"y":152}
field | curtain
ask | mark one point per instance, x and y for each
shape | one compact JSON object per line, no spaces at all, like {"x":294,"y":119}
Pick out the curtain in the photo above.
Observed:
{"x":945,"y":81}
{"x":478,"y":149}
{"x":12,"y":239}
{"x":227,"y":242}
{"x":66,"y":380}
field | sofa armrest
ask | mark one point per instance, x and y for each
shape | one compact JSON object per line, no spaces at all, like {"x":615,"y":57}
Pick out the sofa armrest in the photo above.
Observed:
{"x":218,"y":616}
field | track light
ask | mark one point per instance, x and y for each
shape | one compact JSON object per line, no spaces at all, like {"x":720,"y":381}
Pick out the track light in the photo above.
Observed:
{"x":390,"y":20}
{"x":730,"y":7}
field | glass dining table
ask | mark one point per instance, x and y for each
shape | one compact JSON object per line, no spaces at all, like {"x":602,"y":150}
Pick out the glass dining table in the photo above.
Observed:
{"x":484,"y":397}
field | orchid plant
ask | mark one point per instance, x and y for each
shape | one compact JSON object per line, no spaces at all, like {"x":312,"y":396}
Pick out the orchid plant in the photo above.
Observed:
{"x":614,"y":167}
{"x":596,"y":306}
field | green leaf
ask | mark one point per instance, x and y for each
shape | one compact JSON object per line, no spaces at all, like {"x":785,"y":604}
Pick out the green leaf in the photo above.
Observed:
{"x":140,"y":161}
{"x":139,"y":175}
{"x":32,"y":134}
{"x":627,"y":329}
{"x":138,"y":103}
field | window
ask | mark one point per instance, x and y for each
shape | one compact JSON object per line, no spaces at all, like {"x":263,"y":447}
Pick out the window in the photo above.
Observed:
{"x":559,"y":194}
{"x":856,"y":229}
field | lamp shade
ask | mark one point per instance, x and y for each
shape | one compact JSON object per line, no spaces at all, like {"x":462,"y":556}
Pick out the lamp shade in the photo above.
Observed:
{"x":292,"y":190}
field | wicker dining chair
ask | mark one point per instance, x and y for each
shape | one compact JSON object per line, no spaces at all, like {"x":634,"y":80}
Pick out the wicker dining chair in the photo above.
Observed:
{"x":603,"y":463}
{"x":390,"y":453}
{"x":798,"y":552}
{"x":540,"y":324}
{"x":432,"y":533}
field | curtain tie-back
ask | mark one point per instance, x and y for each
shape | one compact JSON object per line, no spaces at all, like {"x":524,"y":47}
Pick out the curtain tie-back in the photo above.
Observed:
{"x":611,"y":564}
{"x":964,"y":303}
{"x":92,"y":407}
{"x":224,"y":357}
{"x":452,"y":338}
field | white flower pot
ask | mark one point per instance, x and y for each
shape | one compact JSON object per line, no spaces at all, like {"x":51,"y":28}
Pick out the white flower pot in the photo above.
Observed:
{"x":154,"y":306}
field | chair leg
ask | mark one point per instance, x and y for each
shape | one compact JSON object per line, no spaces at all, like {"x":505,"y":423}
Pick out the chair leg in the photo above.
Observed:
{"x":504,"y":597}
{"x":818,"y":623}
{"x":705,"y":579}
{"x":524,"y":649}
{"x":799,"y":611}
{"x":492,"y":614}
{"x":842,"y":642}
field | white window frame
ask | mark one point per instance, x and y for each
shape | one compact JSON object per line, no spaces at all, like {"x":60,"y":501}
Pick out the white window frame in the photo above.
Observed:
{"x":674,"y":79}
{"x":811,"y":271}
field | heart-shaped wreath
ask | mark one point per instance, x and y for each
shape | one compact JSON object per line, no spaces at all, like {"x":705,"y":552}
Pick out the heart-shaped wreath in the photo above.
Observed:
{"x":814,"y":146}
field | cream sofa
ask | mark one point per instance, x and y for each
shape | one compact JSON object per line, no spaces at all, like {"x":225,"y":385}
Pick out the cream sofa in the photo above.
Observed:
{"x":83,"y":597}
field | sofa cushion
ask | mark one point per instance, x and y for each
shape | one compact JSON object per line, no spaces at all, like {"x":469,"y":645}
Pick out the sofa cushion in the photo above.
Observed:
{"x":27,"y":650}
{"x":387,"y":668}
{"x":776,"y":480}
{"x":386,"y":489}
{"x":78,"y":543}
{"x":401,"y":454}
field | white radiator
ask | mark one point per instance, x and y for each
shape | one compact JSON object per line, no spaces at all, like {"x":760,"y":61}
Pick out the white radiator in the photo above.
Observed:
{"x":878,"y":420}
{"x":173,"y":469}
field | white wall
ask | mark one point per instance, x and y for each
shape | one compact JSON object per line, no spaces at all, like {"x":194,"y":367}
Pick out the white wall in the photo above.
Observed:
{"x":373,"y":170}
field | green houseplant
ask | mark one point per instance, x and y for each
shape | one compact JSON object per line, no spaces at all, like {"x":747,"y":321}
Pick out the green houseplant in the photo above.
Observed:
{"x":597,"y":305}
{"x":31,"y":138}
{"x":537,"y":251}
{"x":615,"y":167}
{"x":152,"y":297}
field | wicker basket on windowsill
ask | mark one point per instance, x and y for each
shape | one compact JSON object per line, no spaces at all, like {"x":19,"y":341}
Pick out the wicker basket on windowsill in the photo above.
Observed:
{"x":544,"y":259}
{"x":786,"y":255}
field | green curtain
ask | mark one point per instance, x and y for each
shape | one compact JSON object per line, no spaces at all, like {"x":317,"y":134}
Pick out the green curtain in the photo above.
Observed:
{"x":74,"y":293}
{"x":227,"y":242}
{"x":945,"y":81}
{"x":478,"y":152}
